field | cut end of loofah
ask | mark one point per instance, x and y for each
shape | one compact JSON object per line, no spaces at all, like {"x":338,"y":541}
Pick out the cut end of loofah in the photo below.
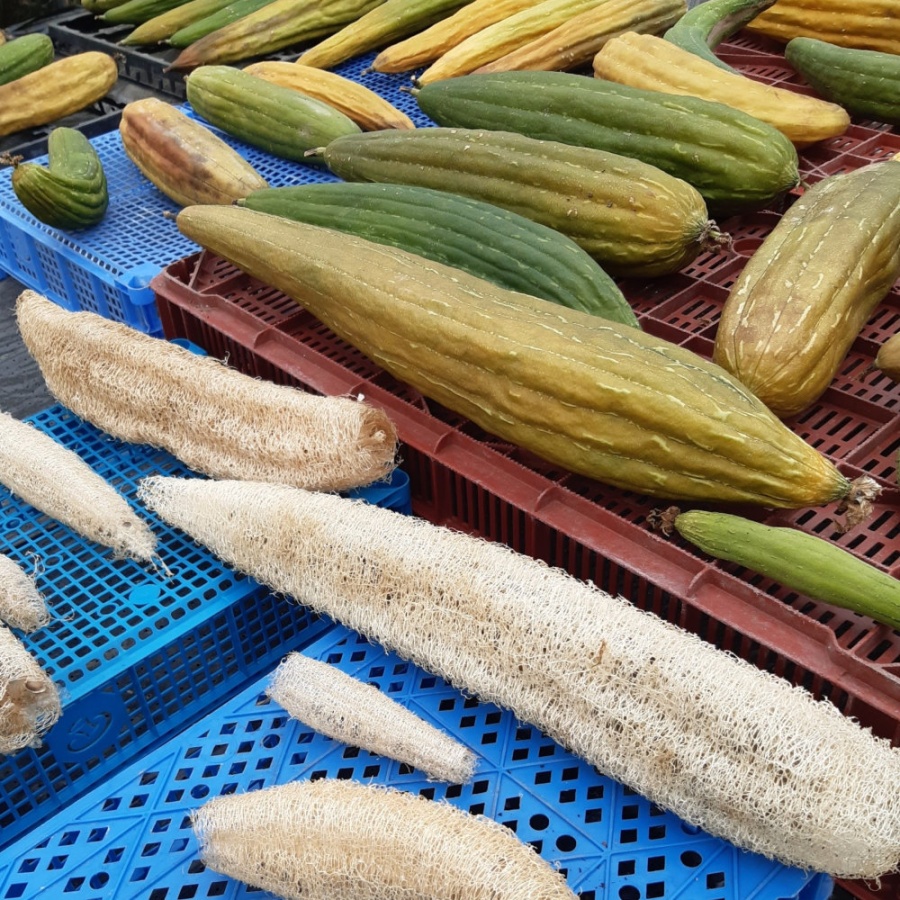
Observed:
{"x":29,"y":700}
{"x":859,"y":503}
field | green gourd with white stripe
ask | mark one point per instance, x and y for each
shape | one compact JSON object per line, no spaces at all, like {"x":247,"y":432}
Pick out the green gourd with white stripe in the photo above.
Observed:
{"x":484,"y":240}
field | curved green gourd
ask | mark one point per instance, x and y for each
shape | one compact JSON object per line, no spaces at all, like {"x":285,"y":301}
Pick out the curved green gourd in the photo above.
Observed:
{"x":484,"y":240}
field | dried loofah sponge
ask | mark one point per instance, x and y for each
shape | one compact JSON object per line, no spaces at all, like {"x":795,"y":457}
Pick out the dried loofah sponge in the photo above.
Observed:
{"x":29,"y":700}
{"x":338,"y":706}
{"x":59,"y":483}
{"x":339,"y":840}
{"x":21,"y":604}
{"x":214,"y":419}
{"x":727,"y":747}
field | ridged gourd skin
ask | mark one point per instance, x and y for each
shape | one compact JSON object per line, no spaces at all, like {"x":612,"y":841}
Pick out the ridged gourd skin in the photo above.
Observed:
{"x":24,"y":54}
{"x":276,"y":119}
{"x":575,"y":42}
{"x":734,"y":160}
{"x":595,"y":397}
{"x":806,"y":292}
{"x":647,"y":61}
{"x":427,"y":45}
{"x":182,"y":157}
{"x":369,"y":110}
{"x":865,"y":82}
{"x":803,"y":562}
{"x":136,"y":11}
{"x":164,"y":25}
{"x":887,"y":359}
{"x":703,"y":27}
{"x":483,"y":240}
{"x":273,"y":27}
{"x":71,"y":191}
{"x":60,"y":88}
{"x":503,"y":37}
{"x":633,"y":218}
{"x":865,"y":24}
{"x":387,"y":22}
{"x":219,"y":18}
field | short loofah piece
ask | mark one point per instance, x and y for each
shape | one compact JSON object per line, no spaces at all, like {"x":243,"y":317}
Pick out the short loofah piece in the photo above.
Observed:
{"x":21,"y":603}
{"x":29,"y":700}
{"x":216,"y":420}
{"x":341,"y":707}
{"x":340,"y":840}
{"x":727,"y":747}
{"x":59,"y":483}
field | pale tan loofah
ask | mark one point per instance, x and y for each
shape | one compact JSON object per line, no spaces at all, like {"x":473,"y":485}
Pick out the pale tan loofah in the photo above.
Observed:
{"x":341,"y":707}
{"x":216,"y":420}
{"x":29,"y":700}
{"x":724,"y":745}
{"x":339,"y":840}
{"x":59,"y":483}
{"x":21,"y":603}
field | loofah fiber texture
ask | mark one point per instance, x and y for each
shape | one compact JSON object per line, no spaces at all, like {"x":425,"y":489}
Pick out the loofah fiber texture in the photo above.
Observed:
{"x":59,"y":483}
{"x":729,"y":748}
{"x":340,"y":840}
{"x":341,"y":707}
{"x":29,"y":700}
{"x":21,"y":604}
{"x":216,"y":420}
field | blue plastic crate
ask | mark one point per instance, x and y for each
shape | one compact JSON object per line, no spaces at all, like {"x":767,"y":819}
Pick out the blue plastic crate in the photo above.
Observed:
{"x":107,"y":268}
{"x":131,"y":838}
{"x":138,"y":653}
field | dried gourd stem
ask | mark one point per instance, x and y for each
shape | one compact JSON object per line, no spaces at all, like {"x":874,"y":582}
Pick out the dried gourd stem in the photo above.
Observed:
{"x":59,"y":483}
{"x":341,"y":707}
{"x":29,"y":700}
{"x":327,"y":839}
{"x":21,"y":604}
{"x":859,"y":503}
{"x":663,"y":520}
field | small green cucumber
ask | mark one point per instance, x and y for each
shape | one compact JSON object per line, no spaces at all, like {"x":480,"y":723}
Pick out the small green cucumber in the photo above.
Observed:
{"x":277,"y":119}
{"x":703,"y":27}
{"x":186,"y":36}
{"x":734,"y":160}
{"x":479,"y":238}
{"x":70,"y":192}
{"x":865,"y":82}
{"x":800,"y":561}
{"x":24,"y":54}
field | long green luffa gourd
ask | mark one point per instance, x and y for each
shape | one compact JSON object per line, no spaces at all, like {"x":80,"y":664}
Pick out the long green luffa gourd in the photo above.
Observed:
{"x":598,"y":398}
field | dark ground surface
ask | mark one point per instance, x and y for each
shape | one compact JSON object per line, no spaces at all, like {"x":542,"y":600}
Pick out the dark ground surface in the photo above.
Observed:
{"x":22,"y":391}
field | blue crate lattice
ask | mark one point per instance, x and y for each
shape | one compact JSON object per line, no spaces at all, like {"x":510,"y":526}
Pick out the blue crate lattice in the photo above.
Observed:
{"x":131,"y":838}
{"x":138,"y":653}
{"x":107,"y":268}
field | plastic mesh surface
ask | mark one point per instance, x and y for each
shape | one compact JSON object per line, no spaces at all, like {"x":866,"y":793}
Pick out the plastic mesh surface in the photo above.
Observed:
{"x":106,"y":268}
{"x":131,"y":838}
{"x":136,"y":653}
